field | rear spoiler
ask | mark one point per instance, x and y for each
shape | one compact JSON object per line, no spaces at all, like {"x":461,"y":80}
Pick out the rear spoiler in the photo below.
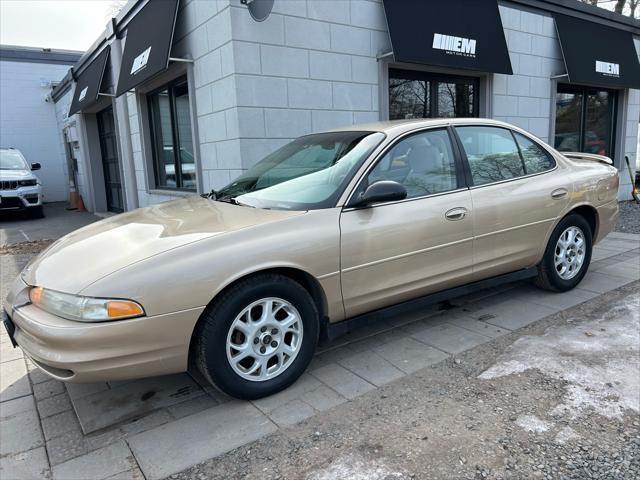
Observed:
{"x":588,"y":156}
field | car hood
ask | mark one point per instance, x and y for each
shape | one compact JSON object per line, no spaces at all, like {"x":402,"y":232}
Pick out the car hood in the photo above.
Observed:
{"x":97,"y":250}
{"x":16,"y":175}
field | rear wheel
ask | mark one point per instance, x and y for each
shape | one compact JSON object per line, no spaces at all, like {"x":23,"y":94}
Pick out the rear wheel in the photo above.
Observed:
{"x":567,"y":255}
{"x":258,"y":337}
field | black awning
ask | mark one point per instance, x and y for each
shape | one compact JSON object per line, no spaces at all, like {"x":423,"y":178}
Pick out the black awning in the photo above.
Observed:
{"x":464,"y":34}
{"x":148,"y":44}
{"x":596,"y":54}
{"x":88,"y":83}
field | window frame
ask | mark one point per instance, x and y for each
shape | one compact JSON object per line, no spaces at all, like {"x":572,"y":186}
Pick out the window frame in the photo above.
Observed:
{"x":467,"y":167}
{"x":433,"y":79}
{"x":461,"y":180}
{"x":175,"y":136}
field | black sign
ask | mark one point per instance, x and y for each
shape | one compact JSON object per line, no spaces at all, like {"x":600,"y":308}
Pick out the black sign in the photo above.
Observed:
{"x":88,"y":83}
{"x":598,"y":55}
{"x":463,"y":34}
{"x":148,"y":44}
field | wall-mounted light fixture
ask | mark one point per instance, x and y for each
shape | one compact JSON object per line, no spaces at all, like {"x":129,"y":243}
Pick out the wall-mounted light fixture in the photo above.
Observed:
{"x":259,"y":9}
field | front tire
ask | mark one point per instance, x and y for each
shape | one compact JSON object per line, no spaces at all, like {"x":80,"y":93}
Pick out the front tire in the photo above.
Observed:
{"x":258,"y":337}
{"x":36,"y":212}
{"x":567,"y":256}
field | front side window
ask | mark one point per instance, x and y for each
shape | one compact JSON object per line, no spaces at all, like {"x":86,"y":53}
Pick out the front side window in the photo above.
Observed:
{"x":492,"y":154}
{"x":423,"y":163}
{"x":308,"y":173}
{"x":173,"y":156}
{"x":415,"y":94}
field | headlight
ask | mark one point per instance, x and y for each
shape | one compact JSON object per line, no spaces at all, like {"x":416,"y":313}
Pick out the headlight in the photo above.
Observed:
{"x":28,"y":183}
{"x":83,"y":309}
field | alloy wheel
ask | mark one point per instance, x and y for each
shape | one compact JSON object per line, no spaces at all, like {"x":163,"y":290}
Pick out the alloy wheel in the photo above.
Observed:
{"x":264,"y":339}
{"x":570,"y":253}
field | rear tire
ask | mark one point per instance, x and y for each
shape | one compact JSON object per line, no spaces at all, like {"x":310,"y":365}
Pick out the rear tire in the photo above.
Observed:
{"x":258,"y":337}
{"x":567,"y":256}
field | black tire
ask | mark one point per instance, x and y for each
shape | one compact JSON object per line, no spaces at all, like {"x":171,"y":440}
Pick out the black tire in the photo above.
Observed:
{"x":548,"y":277}
{"x":210,"y":338}
{"x":36,"y":212}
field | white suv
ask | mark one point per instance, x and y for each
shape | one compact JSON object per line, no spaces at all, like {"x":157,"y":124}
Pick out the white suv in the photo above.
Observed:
{"x":20,"y":189}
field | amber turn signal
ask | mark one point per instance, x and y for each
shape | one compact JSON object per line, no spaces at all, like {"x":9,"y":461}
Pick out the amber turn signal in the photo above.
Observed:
{"x":122,"y":308}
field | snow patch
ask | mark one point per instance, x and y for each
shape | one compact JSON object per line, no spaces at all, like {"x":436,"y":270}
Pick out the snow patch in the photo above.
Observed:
{"x":353,"y":467}
{"x":531,"y":423}
{"x":566,"y":434}
{"x":599,"y":358}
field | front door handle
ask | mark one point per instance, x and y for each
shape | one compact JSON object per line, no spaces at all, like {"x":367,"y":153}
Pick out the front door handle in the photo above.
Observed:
{"x":559,"y":193}
{"x":457,"y":213}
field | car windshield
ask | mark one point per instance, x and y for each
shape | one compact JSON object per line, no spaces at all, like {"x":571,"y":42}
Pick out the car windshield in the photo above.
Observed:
{"x":12,"y":160}
{"x":306,"y":174}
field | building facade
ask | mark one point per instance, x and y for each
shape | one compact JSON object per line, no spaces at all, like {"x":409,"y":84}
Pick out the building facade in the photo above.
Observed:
{"x":28,"y":114}
{"x":179,"y":97}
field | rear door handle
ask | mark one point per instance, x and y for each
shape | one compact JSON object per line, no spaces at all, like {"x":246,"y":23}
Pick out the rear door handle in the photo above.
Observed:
{"x":559,"y":193}
{"x":457,"y":213}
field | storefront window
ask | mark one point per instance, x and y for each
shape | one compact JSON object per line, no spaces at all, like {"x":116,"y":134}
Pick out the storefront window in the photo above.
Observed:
{"x":172,"y":141}
{"x":585,"y":120}
{"x":424,"y":95}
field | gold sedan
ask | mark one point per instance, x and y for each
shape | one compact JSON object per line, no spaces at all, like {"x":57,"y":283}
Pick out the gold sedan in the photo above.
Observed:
{"x":242,"y":283}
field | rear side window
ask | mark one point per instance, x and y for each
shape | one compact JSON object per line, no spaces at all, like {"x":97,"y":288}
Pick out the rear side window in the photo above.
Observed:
{"x":492,"y":154}
{"x":535,"y":158}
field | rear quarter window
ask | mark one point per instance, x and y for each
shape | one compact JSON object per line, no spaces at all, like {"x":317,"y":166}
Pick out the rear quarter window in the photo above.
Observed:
{"x":535,"y":158}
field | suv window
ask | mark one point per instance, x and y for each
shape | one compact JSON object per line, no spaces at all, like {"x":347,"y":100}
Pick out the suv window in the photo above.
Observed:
{"x":492,"y":154}
{"x":535,"y":158}
{"x":423,"y":163}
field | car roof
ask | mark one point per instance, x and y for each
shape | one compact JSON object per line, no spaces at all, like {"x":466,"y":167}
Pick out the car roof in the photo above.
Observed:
{"x":397,"y":127}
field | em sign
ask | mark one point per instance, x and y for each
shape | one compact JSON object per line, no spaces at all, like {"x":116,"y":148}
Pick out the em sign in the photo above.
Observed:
{"x":607,"y":68}
{"x":83,"y":93}
{"x":454,"y":45}
{"x":140,"y":61}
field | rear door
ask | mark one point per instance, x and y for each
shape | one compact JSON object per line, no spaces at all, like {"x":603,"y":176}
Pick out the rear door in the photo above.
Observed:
{"x":517,"y":195}
{"x":395,"y":251}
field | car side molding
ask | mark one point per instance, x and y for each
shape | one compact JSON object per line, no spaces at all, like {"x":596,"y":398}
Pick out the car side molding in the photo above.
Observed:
{"x":335,"y":330}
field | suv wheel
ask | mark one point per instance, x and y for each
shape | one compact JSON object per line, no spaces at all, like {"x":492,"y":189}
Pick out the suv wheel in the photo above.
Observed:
{"x":567,"y":256}
{"x":258,"y":337}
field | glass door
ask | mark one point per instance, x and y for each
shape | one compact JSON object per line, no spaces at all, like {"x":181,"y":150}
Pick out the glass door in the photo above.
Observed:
{"x":585,"y":120}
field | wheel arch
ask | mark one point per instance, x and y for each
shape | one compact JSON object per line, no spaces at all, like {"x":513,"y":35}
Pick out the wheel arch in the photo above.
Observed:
{"x":590,"y":214}
{"x":308,"y":282}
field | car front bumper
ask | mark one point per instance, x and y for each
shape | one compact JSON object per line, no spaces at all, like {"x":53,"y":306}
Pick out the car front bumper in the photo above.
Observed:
{"x":21,"y":198}
{"x":82,"y":352}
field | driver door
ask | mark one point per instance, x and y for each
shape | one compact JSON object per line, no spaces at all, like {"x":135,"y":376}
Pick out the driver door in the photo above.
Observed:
{"x":396,"y":251}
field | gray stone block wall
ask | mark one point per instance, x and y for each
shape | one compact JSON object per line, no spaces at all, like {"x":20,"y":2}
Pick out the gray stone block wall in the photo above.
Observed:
{"x":310,"y":66}
{"x":524,"y":98}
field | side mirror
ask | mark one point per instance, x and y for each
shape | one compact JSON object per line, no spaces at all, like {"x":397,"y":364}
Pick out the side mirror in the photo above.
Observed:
{"x":381,"y":191}
{"x":35,"y":166}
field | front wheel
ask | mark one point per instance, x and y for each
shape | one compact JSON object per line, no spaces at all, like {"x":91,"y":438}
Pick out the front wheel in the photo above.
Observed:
{"x":258,"y":337}
{"x":567,"y":256}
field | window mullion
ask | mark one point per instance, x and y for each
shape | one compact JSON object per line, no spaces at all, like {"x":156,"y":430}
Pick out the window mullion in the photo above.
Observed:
{"x":174,"y":136}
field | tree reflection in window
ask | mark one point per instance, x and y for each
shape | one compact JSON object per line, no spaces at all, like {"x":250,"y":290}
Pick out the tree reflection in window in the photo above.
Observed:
{"x":492,"y":154}
{"x":408,"y":99}
{"x":535,"y":159}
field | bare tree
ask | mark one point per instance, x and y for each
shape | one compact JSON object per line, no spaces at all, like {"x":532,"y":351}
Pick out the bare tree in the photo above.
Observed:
{"x":624,"y":7}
